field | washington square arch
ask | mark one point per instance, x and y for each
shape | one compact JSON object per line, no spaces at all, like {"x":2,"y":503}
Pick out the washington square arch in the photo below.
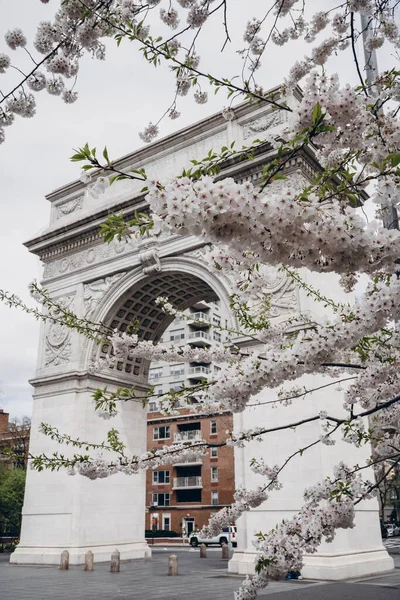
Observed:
{"x":118,"y":283}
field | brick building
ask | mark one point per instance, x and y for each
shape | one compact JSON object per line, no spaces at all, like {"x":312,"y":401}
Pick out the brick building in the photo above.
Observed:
{"x":14,"y":440}
{"x":183,"y":496}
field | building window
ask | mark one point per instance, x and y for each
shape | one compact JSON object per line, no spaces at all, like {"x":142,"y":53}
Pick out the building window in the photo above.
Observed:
{"x":161,"y":433}
{"x":156,"y":373}
{"x":217,"y":336}
{"x":153,"y":406}
{"x":177,"y":335}
{"x":160,"y":499}
{"x":213,"y":452}
{"x":166,"y":521}
{"x":214,"y":474}
{"x":177,"y":385}
{"x":177,"y":370}
{"x":158,"y":390}
{"x":213,"y":427}
{"x":214,"y":498}
{"x":160,"y":477}
{"x":216,"y":320}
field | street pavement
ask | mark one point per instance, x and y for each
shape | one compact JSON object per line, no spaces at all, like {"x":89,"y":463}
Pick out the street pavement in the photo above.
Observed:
{"x":392,"y":545}
{"x":203,"y":579}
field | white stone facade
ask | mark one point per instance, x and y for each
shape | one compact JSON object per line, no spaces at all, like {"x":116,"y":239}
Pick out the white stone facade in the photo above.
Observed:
{"x":115,"y":283}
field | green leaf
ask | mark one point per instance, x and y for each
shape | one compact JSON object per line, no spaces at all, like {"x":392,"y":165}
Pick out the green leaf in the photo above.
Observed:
{"x":77,"y":157}
{"x":316,"y":113}
{"x":394,"y":159}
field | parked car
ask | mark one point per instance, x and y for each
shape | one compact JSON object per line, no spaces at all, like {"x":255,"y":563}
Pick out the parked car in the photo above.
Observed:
{"x":223,"y":538}
{"x":392,"y":530}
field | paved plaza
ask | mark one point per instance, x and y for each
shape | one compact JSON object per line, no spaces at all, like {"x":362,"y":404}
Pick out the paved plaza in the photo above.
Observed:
{"x":203,"y":579}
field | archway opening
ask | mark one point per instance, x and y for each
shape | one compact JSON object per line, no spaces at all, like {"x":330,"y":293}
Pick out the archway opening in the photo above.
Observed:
{"x":183,"y":496}
{"x":137,"y":306}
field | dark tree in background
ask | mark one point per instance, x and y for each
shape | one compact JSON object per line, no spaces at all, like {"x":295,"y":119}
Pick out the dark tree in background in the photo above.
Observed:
{"x":12,"y":488}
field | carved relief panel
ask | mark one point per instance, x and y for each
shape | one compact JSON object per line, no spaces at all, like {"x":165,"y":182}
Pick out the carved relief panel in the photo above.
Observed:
{"x":58,"y":344}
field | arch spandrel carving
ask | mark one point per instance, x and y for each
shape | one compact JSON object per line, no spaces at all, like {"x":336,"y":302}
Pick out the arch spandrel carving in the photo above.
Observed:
{"x":284,"y":301}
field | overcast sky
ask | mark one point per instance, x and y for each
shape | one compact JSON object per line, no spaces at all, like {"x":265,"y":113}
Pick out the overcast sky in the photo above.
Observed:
{"x":116,"y":99}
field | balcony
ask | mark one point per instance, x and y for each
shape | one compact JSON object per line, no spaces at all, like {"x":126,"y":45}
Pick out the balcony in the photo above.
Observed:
{"x":189,"y":462}
{"x":202,"y":305}
{"x":200,"y":319}
{"x":185,"y":483}
{"x":199,"y":338}
{"x":187,"y":436}
{"x":199,"y":372}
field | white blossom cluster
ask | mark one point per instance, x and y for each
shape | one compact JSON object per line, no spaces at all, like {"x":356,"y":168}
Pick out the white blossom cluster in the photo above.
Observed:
{"x":326,"y":427}
{"x":244,"y":500}
{"x":383,"y":26}
{"x":277,"y":227}
{"x":99,"y":467}
{"x":378,"y":381}
{"x":128,"y":347}
{"x":236,"y":383}
{"x":284,"y":547}
{"x":271,"y":473}
{"x":239,"y":439}
{"x":353,"y":123}
{"x":122,"y":343}
{"x":149,"y":133}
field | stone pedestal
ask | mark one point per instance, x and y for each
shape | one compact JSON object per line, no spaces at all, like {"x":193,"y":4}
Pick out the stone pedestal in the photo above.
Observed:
{"x":72,"y":512}
{"x":354,"y":552}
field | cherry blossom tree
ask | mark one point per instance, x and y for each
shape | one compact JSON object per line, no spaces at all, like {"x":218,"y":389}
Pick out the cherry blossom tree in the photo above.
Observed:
{"x":289,"y":223}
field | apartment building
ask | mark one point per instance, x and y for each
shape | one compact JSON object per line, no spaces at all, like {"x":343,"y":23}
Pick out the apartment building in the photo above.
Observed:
{"x":14,"y":441}
{"x":183,"y":496}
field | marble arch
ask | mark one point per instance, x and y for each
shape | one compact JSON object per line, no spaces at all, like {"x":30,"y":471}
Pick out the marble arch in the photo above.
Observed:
{"x":100,"y":281}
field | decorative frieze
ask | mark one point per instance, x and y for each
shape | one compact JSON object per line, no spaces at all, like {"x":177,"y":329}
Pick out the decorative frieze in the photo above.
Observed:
{"x":85,"y":258}
{"x":69,"y":207}
{"x":257,"y":126}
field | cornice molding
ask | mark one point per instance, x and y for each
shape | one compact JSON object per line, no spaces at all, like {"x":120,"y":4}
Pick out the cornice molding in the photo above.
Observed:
{"x":80,"y":381}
